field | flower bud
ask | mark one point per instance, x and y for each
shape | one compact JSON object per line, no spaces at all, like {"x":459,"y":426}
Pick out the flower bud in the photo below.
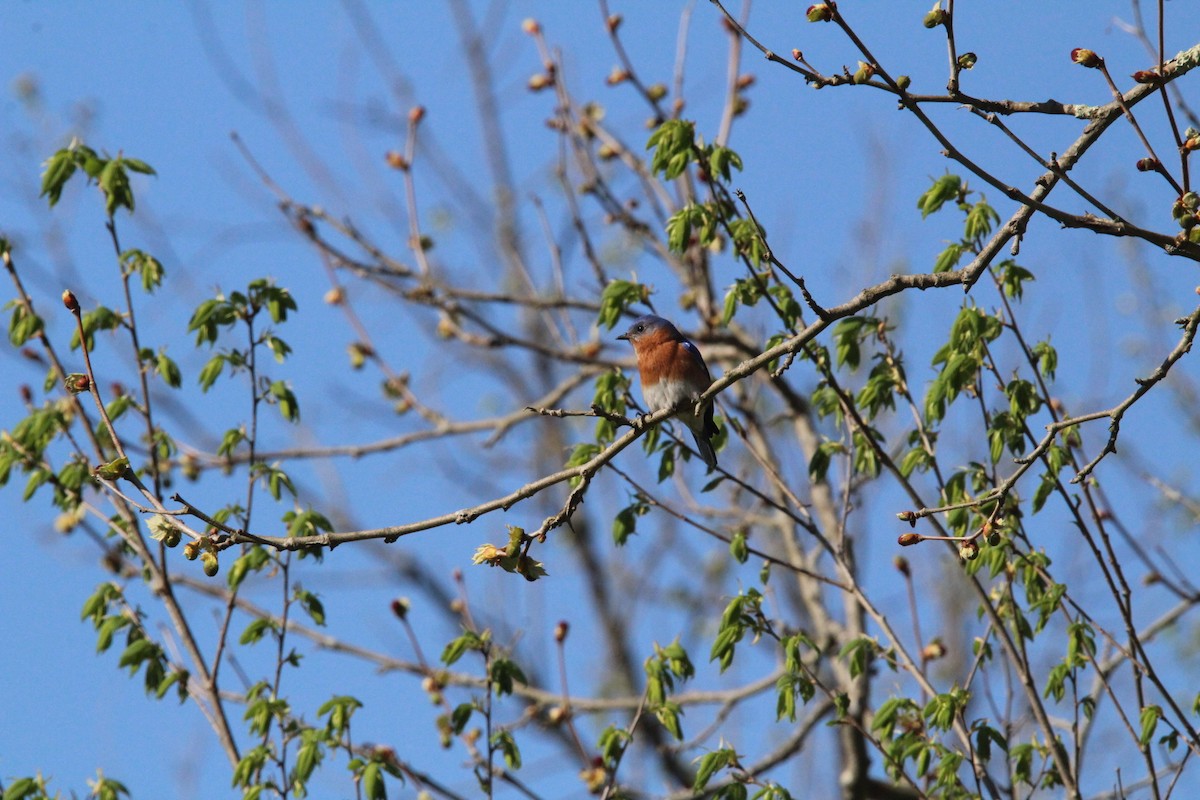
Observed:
{"x":821,"y":12}
{"x":797,"y":55}
{"x":1086,"y":58}
{"x":540,"y":81}
{"x":936,"y":16}
{"x":211,"y":566}
{"x":1148,"y":164}
{"x":531,"y":26}
{"x":904,"y":82}
{"x":968,"y":551}
{"x":191,"y":550}
{"x":613,"y":22}
{"x":561,"y":630}
{"x":967,"y":60}
{"x":901,"y":565}
{"x":906,"y":539}
{"x":400,"y":607}
{"x":68,"y":298}
{"x":416,"y":114}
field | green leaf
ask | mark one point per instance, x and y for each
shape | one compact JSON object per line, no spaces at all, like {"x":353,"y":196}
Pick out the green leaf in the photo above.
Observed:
{"x":1149,"y":721}
{"x":943,"y":189}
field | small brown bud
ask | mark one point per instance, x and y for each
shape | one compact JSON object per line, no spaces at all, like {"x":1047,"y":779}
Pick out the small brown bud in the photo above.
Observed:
{"x":613,"y":22}
{"x":1146,"y":76}
{"x":26,"y":394}
{"x":1148,"y":165}
{"x":531,"y":26}
{"x":1191,"y":144}
{"x":396,"y":160}
{"x":416,"y":114}
{"x":908,"y":516}
{"x":1086,"y":58}
{"x":561,"y":630}
{"x":68,"y":298}
{"x":617,"y":75}
{"x":901,"y":565}
{"x":906,"y":539}
{"x":335,"y":296}
{"x":557,"y":715}
{"x":933,"y":651}
{"x":745,"y":81}
{"x":797,"y":55}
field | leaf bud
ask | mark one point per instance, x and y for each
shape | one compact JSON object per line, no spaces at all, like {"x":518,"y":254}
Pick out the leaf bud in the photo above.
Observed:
{"x":901,"y":565}
{"x":1148,"y":164}
{"x":906,"y":539}
{"x":26,"y":394}
{"x":1146,"y":76}
{"x":656,"y":91}
{"x":68,"y":298}
{"x":1086,"y":58}
{"x":904,"y":82}
{"x":967,"y":60}
{"x":934,"y":650}
{"x":396,"y":160}
{"x":936,"y":16}
{"x":191,"y":550}
{"x":617,"y":75}
{"x":821,"y":12}
{"x":77,"y":382}
{"x":864,"y":72}
{"x":613,"y":22}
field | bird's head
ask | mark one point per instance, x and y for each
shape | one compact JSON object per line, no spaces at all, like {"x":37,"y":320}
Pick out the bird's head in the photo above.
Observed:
{"x":649,"y":328}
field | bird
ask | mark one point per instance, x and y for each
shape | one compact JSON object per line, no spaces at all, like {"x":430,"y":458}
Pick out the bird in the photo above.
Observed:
{"x":674,"y":376}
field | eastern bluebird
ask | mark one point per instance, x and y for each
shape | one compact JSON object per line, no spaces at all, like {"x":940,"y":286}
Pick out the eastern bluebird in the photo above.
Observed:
{"x":673,"y":376}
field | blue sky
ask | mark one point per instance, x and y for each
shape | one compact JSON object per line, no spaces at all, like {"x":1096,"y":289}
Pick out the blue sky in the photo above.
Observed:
{"x":834,"y":178}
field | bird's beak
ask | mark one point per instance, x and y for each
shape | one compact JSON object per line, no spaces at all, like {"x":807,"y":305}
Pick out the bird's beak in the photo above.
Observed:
{"x":624,"y":337}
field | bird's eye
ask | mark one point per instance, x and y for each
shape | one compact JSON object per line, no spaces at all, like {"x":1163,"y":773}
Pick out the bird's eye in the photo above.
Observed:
{"x":641,"y":328}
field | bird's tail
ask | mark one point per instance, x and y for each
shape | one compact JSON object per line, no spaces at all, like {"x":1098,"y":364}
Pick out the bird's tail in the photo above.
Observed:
{"x":705,"y":448}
